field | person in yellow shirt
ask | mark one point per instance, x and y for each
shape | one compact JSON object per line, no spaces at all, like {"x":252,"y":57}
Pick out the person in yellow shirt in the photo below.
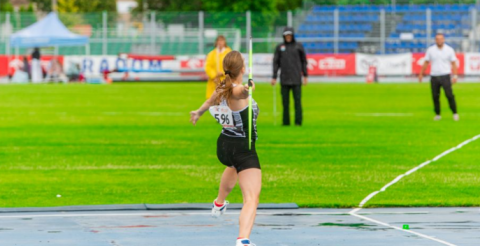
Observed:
{"x":214,"y":64}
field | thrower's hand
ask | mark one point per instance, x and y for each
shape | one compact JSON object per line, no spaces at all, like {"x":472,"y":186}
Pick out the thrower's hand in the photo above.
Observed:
{"x":274,"y":81}
{"x":420,"y":78}
{"x":247,"y":87}
{"x":194,"y":116}
{"x":454,"y":79}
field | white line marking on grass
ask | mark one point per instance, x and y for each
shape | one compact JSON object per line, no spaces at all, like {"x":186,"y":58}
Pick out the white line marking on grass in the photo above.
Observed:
{"x":436,"y":158}
{"x":385,"y":114}
{"x":368,"y":198}
{"x":398,"y":178}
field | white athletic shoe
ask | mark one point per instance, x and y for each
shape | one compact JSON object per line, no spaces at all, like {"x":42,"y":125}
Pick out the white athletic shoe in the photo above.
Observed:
{"x":244,"y":242}
{"x":218,"y":211}
{"x":456,"y":117}
{"x":437,"y":118}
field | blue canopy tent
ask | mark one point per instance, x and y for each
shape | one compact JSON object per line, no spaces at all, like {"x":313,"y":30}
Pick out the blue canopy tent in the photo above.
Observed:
{"x":48,"y":32}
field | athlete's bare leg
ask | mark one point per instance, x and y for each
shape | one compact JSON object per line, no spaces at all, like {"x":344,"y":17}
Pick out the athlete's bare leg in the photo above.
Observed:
{"x":227,"y":183}
{"x":251,"y":184}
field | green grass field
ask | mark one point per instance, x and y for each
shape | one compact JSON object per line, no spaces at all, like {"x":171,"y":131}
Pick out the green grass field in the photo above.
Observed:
{"x":133,"y":143}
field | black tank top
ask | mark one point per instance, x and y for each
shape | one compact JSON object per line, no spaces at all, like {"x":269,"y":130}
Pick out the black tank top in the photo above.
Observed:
{"x":240,"y":119}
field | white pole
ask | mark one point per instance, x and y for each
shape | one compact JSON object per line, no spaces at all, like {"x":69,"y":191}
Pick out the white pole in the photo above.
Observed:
{"x":54,"y":5}
{"x":87,"y":49}
{"x":274,"y":105}
{"x":394,"y":8}
{"x":152,"y":32}
{"x":201,"y":32}
{"x":7,"y":43}
{"x":104,"y":38}
{"x":289,"y":18}
{"x":382,"y":31}
{"x":335,"y":30}
{"x":473,"y":46}
{"x":429,"y":26}
{"x":249,"y":28}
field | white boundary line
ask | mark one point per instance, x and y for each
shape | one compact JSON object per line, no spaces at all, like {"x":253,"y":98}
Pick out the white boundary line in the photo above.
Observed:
{"x":400,"y":229}
{"x":371,"y":195}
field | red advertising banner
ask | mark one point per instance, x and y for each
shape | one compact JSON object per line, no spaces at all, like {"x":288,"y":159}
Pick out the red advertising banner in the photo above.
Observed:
{"x":8,"y":64}
{"x":330,"y":64}
{"x":417,"y":63}
{"x":472,"y":63}
{"x":192,"y":63}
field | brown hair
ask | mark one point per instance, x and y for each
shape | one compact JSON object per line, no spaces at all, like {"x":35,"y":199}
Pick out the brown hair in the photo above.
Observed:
{"x":221,"y":37}
{"x":232,"y":65}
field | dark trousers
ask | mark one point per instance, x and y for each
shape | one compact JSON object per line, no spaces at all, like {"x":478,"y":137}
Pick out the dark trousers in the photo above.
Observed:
{"x":442,"y":81}
{"x":297,"y":97}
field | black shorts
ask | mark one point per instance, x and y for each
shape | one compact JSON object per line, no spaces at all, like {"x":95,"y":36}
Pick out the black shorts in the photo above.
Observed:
{"x":234,"y":152}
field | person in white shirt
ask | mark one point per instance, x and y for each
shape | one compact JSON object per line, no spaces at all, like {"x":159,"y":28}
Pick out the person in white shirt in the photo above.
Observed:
{"x":443,"y":60}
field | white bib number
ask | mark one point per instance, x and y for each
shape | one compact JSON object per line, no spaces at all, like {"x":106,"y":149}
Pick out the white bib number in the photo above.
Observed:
{"x":223,"y":115}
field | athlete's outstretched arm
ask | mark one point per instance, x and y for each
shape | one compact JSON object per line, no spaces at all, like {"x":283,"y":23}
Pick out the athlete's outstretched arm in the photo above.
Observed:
{"x":241,"y":92}
{"x":195,"y":115}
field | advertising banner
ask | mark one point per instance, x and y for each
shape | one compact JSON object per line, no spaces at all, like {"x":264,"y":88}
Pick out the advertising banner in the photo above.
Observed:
{"x":472,"y":63}
{"x":399,"y":64}
{"x":9,"y":64}
{"x":330,"y":64}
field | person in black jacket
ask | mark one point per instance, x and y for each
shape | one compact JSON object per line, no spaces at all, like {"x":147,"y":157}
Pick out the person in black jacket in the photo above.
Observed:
{"x":36,"y":67}
{"x":290,"y":57}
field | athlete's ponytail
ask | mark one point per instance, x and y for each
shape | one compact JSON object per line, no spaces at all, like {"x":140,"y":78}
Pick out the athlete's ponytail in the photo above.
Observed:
{"x":232,"y":66}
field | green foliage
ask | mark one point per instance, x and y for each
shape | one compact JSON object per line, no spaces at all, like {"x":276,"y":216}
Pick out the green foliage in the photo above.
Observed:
{"x":71,"y":19}
{"x":87,"y":6}
{"x":83,"y":6}
{"x":27,"y":9}
{"x":218,"y":5}
{"x":239,"y":6}
{"x":67,"y":6}
{"x":30,"y":8}
{"x":43,"y":5}
{"x":169,"y":5}
{"x":285,"y":5}
{"x":6,"y":6}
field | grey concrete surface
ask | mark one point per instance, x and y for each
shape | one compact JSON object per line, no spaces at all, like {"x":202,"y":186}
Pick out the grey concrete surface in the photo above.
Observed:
{"x":309,"y":227}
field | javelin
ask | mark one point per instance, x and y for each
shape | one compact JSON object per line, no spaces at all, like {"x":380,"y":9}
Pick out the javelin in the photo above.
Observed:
{"x":250,"y":75}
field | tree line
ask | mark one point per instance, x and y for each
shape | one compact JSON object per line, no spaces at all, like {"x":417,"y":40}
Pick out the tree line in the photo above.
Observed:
{"x":85,"y":6}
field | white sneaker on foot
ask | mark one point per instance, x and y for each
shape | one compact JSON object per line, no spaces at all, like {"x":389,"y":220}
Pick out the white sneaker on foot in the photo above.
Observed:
{"x":244,"y":242}
{"x":456,"y":117}
{"x":218,"y":211}
{"x":437,"y":118}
